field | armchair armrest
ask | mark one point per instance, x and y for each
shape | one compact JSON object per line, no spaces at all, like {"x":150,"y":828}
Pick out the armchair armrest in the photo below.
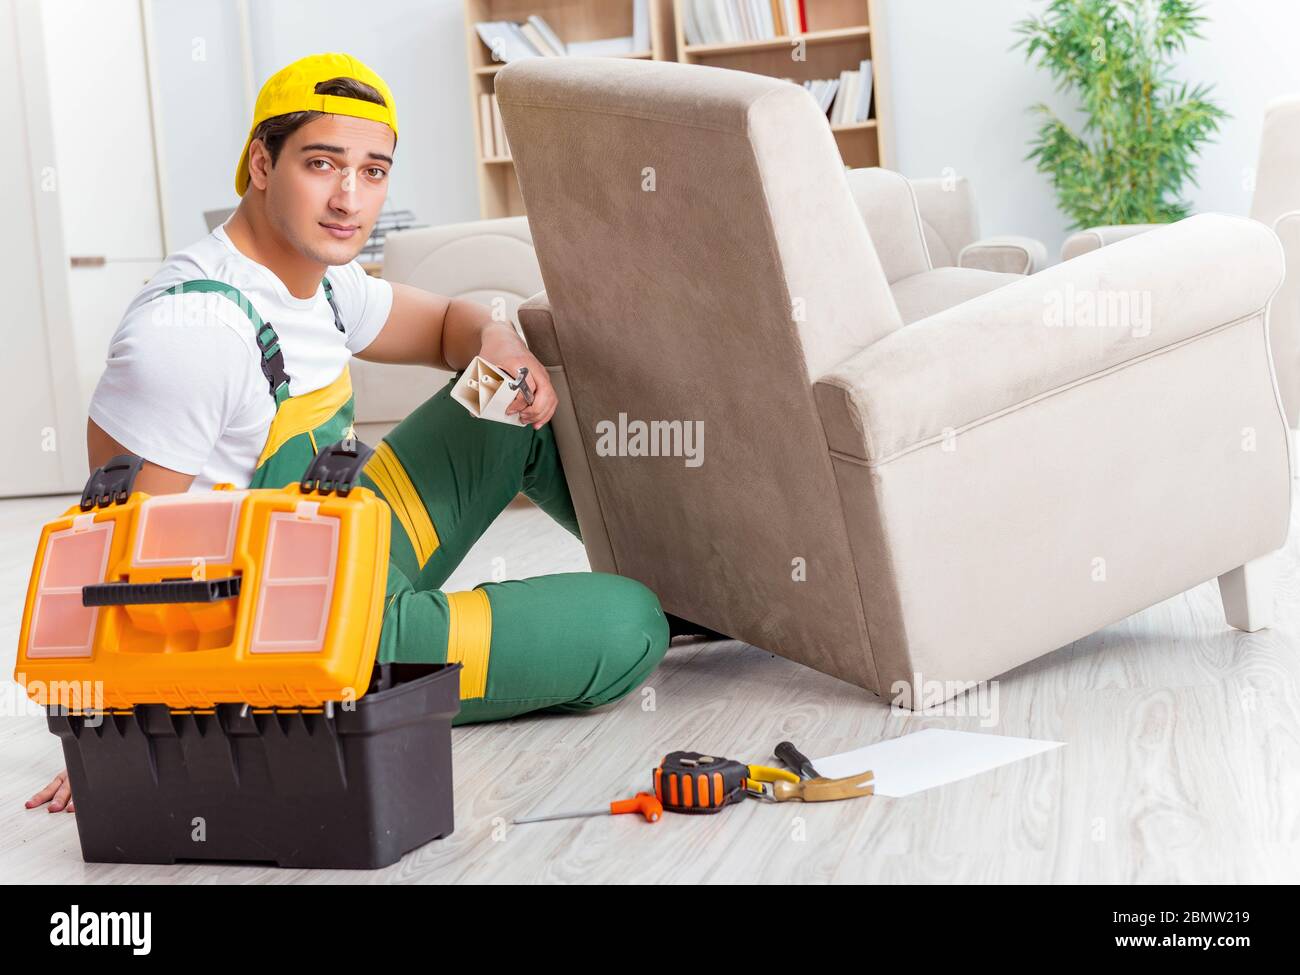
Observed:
{"x":1029,"y":339}
{"x":539,"y":329}
{"x":1008,"y":254}
{"x":1094,"y":238}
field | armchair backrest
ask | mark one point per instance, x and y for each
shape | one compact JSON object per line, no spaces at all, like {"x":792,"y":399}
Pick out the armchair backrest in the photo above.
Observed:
{"x":1277,"y":189}
{"x":889,"y":209}
{"x":1277,"y":195}
{"x":705,"y":262}
{"x":948,"y":216}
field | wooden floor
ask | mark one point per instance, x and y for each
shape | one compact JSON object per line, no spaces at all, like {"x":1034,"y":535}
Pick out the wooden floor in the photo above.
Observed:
{"x":1182,"y":762}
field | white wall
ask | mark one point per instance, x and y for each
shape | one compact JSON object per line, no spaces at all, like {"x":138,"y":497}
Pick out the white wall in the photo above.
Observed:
{"x":417,"y":46}
{"x":960,"y":98}
{"x":203,"y":115}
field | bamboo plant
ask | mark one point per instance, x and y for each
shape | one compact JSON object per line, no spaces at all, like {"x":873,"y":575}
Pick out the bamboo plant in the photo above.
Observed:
{"x":1136,"y":150}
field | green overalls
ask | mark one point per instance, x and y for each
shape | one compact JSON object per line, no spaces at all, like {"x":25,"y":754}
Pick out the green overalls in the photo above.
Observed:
{"x":565,"y":642}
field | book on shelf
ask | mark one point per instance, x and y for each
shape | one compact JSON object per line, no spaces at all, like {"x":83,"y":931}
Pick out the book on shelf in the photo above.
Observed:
{"x":491,"y":127}
{"x":863,"y":110}
{"x":485,"y":124}
{"x":846,"y":99}
{"x":551,"y":38}
{"x":388,"y":221}
{"x":736,"y":21}
{"x":852,"y":102}
{"x":823,"y":91}
{"x":602,"y":47}
{"x":499,"y":130}
{"x":641,"y":25}
{"x":533,"y":38}
{"x":540,"y":41}
{"x":505,"y":40}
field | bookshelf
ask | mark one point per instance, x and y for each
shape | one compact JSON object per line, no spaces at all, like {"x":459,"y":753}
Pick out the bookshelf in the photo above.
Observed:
{"x":572,"y":20}
{"x":840,"y":35}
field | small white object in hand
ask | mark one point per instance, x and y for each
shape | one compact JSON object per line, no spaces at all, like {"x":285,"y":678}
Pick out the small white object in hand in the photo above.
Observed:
{"x":482,"y":390}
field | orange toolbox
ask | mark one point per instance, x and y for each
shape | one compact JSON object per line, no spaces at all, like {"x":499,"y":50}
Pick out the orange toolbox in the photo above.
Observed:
{"x":208,"y":660}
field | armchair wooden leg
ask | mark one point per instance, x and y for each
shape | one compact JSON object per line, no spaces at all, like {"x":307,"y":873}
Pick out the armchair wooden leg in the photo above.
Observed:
{"x":1247,"y":593}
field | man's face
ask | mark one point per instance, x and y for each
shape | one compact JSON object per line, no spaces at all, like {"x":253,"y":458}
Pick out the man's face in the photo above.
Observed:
{"x":325,"y":191}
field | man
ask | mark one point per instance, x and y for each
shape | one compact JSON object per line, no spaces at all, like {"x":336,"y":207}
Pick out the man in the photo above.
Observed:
{"x":231,"y":366}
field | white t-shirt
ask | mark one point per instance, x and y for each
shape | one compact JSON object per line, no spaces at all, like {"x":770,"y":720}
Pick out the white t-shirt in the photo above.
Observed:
{"x":183,"y":385}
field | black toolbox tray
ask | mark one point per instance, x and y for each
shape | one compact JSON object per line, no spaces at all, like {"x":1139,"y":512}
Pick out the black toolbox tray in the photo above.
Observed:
{"x":357,"y":789}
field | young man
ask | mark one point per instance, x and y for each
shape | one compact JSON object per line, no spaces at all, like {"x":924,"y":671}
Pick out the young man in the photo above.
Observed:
{"x":231,"y":366}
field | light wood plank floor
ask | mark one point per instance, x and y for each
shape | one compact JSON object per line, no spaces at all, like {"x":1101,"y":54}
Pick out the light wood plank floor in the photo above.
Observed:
{"x":1182,"y":762}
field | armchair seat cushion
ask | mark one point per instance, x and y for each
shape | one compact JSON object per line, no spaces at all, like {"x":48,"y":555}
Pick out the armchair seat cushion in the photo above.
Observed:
{"x":930,"y":292}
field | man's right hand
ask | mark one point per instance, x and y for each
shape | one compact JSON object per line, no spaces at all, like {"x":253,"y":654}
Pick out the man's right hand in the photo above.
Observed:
{"x":58,"y":794}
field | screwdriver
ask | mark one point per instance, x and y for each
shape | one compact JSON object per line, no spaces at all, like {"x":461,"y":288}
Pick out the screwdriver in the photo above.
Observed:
{"x":796,"y":760}
{"x":644,"y":803}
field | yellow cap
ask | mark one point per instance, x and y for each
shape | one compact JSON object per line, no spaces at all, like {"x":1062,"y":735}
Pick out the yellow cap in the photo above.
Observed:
{"x":293,"y":89}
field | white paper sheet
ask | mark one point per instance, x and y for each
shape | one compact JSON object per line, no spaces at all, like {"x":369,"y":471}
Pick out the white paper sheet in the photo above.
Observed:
{"x":922,"y":760}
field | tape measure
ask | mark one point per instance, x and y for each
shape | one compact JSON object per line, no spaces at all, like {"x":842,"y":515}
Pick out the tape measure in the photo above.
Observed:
{"x":691,"y":782}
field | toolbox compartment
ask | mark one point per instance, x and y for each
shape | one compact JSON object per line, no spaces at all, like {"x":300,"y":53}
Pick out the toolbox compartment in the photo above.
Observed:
{"x":355,"y":785}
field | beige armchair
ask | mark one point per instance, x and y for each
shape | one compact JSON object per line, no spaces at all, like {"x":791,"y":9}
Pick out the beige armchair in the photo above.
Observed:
{"x":909,"y":508}
{"x":1276,"y":204}
{"x":906,"y":242}
{"x":490,"y":261}
{"x":950,"y":220}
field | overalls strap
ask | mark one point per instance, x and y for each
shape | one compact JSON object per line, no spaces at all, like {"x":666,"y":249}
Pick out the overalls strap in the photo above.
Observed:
{"x":329,"y":296}
{"x":272,"y":357}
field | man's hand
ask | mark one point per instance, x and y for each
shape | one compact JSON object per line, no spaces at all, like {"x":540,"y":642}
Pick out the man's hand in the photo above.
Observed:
{"x":432,"y":330}
{"x":426,"y":329}
{"x":59,"y":790}
{"x":503,"y":347}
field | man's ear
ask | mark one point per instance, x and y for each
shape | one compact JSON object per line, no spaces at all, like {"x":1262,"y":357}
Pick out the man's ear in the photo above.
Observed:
{"x":259,"y":164}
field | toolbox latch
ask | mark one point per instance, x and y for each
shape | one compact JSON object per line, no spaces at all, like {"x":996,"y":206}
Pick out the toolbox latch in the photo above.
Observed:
{"x":336,"y":467}
{"x":111,"y":483}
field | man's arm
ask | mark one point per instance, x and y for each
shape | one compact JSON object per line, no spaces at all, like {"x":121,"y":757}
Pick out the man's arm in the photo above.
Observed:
{"x":427,"y":329}
{"x":152,"y":479}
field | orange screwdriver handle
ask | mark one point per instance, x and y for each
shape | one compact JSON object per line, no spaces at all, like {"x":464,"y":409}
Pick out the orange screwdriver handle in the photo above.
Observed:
{"x":644,"y":803}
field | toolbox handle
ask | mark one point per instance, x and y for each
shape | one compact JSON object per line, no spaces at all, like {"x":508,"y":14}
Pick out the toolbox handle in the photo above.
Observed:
{"x":166,"y":591}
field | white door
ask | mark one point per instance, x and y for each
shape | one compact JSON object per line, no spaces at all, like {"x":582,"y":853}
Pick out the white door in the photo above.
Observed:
{"x":45,"y":445}
{"x":100,"y":105}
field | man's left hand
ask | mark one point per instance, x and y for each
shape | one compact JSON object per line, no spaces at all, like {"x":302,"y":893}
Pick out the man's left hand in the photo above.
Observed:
{"x":503,"y":347}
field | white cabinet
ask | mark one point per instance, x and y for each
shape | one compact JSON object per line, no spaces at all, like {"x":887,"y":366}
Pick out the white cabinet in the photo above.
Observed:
{"x":103,"y":134}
